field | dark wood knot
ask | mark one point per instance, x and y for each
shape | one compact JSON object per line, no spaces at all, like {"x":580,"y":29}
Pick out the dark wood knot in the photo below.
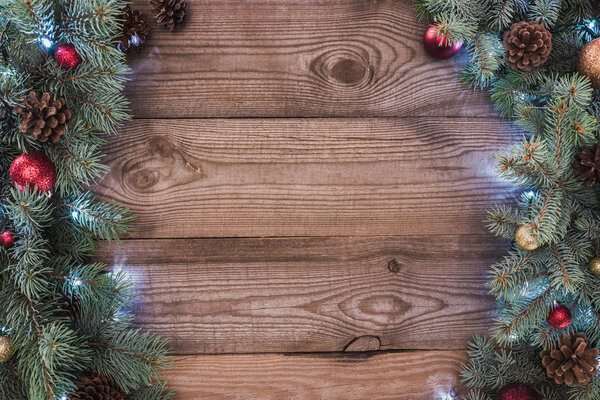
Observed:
{"x":394,"y":266}
{"x":343,"y":67}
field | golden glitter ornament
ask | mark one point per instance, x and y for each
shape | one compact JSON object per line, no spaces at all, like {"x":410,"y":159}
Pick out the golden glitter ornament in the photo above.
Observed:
{"x":6,"y":349}
{"x":588,"y":62}
{"x":594,"y":265}
{"x":525,"y":239}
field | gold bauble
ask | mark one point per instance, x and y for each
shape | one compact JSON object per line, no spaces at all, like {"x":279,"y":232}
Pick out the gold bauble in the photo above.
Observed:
{"x":6,"y":349}
{"x":588,"y":62}
{"x":594,"y":265}
{"x":525,"y":239}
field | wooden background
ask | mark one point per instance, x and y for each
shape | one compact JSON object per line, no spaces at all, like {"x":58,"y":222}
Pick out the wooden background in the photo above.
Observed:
{"x":310,"y":189}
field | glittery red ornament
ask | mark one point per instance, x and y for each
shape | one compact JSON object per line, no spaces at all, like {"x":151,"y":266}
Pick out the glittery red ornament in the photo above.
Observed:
{"x":560,"y":317}
{"x":67,"y":56}
{"x":517,"y":391}
{"x":7,"y":239}
{"x":35,"y":169}
{"x":432,"y":42}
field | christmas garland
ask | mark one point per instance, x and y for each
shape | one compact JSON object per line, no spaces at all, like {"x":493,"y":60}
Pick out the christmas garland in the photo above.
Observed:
{"x":540,"y":61}
{"x":64,"y":320}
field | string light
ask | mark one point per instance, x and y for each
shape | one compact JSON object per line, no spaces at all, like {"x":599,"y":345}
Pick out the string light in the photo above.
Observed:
{"x":75,"y":214}
{"x":592,"y":24}
{"x":46,"y":42}
{"x":444,"y":395}
{"x":135,"y":40}
{"x":530,"y":194}
{"x":77,"y":282}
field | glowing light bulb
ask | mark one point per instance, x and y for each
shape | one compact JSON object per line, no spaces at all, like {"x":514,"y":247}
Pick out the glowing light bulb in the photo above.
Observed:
{"x":444,"y":395}
{"x":77,"y":282}
{"x":74,"y":214}
{"x":46,"y":42}
{"x":135,"y":40}
{"x":530,"y":194}
{"x":592,"y":24}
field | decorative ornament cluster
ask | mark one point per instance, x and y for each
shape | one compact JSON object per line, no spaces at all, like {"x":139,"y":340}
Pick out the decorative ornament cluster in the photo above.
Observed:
{"x":541,"y":64}
{"x":64,"y":320}
{"x":135,"y":30}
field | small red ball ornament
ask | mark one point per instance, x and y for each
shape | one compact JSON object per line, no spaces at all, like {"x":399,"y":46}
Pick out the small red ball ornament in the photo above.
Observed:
{"x":67,"y":56}
{"x":33,"y":169}
{"x":432,"y":42}
{"x":7,"y":239}
{"x":517,"y":391}
{"x":560,"y":317}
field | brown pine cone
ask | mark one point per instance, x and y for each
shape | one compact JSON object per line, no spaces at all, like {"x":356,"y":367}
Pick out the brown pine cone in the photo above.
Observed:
{"x":587,"y":165}
{"x":527,"y":45}
{"x":45,"y":119}
{"x":97,"y":386}
{"x":135,"y":30}
{"x":169,"y":13}
{"x":69,"y":307}
{"x":574,"y":363}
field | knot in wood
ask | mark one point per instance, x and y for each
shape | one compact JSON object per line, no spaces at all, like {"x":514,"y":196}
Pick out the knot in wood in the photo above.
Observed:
{"x":343,"y":68}
{"x":394,"y":266}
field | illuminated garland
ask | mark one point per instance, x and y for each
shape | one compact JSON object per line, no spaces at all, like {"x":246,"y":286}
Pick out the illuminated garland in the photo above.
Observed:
{"x":546,"y":329}
{"x":65,"y":322}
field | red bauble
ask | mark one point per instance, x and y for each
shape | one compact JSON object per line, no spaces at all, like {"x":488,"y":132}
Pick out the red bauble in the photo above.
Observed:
{"x":517,"y":391}
{"x":33,"y":169}
{"x":67,"y":56}
{"x":432,"y":45}
{"x":560,"y":317}
{"x":7,"y":239}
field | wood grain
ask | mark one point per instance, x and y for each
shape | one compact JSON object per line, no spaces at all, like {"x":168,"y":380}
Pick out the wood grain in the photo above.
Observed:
{"x":308,"y":177}
{"x":297,"y":58}
{"x":419,"y":375}
{"x":310,"y":294}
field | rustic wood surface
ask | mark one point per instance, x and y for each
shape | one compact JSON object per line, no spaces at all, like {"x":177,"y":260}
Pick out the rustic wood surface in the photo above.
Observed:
{"x":310,"y":189}
{"x":307,"y":177}
{"x":417,"y":375}
{"x":310,"y":294}
{"x":297,"y":58}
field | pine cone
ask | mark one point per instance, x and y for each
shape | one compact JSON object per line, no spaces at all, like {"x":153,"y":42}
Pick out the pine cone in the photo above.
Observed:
{"x":69,"y":307}
{"x":97,"y":386}
{"x":135,"y":30}
{"x":169,"y":13}
{"x":527,"y":45}
{"x":574,"y":363}
{"x":46,"y":119}
{"x":587,"y":165}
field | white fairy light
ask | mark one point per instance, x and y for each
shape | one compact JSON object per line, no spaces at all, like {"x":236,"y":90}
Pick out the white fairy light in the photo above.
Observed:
{"x":444,"y":395}
{"x":46,"y":42}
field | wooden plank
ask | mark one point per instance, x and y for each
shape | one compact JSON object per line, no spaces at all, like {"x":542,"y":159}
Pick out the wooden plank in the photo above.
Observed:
{"x":420,"y":375}
{"x":297,"y":58}
{"x":310,"y":294}
{"x":308,"y":177}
